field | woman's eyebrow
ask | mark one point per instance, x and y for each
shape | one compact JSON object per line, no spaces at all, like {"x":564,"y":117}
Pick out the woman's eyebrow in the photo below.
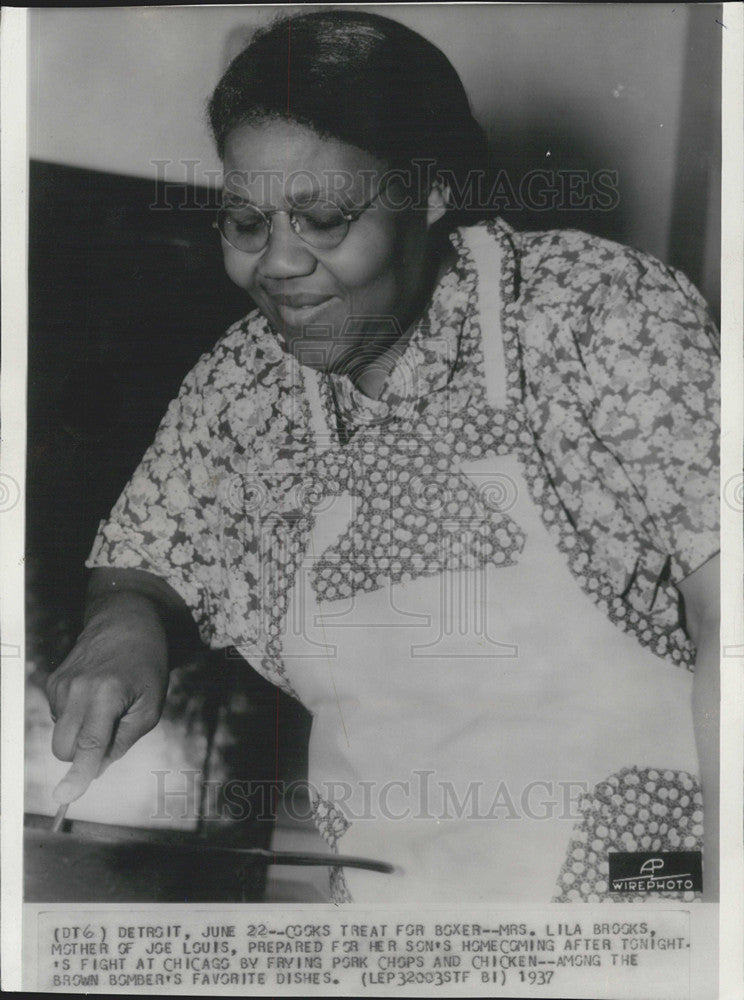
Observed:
{"x":296,"y":200}
{"x":346,"y":196}
{"x":346,"y":189}
{"x":321,"y":192}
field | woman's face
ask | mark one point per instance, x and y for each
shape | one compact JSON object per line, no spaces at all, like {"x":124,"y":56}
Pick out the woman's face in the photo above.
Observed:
{"x":328,"y":306}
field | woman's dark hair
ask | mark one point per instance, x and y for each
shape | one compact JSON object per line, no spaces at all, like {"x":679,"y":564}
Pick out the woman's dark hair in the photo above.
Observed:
{"x":361,"y":78}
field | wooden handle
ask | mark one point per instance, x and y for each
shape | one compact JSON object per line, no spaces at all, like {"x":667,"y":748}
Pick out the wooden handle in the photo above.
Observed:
{"x":60,"y":817}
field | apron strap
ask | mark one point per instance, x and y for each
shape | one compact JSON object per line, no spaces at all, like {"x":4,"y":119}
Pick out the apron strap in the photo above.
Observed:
{"x":322,"y":434}
{"x":487,"y":256}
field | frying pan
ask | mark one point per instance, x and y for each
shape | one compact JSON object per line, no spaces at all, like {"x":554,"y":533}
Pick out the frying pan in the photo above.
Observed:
{"x":99,"y":862}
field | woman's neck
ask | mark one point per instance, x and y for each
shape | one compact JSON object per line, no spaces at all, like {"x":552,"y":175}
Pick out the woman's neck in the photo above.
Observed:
{"x":371,"y":378}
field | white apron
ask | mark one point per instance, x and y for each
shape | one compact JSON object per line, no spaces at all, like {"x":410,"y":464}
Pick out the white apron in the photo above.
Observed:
{"x":462,"y":721}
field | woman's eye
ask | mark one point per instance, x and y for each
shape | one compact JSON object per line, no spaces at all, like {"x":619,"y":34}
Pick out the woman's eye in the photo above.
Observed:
{"x":245,"y":225}
{"x":322,"y":219}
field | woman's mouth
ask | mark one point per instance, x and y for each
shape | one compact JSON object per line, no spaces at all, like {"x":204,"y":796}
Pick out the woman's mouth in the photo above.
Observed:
{"x":301,"y":307}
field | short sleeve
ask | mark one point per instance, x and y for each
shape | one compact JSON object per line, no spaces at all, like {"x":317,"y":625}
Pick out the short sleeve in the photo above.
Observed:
{"x":166,"y":520}
{"x":653,"y":359}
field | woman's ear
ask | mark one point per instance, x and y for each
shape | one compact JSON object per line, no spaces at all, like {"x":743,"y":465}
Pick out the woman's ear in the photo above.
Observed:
{"x":438,"y":202}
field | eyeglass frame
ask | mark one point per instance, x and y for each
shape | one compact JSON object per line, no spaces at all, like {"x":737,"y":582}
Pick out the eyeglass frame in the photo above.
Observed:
{"x":348,"y":215}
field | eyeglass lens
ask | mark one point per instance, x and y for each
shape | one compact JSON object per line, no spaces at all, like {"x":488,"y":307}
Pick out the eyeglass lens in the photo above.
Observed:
{"x":322,"y":226}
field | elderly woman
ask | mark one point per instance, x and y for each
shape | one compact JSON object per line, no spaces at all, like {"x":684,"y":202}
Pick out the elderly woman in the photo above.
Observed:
{"x":451,"y":486}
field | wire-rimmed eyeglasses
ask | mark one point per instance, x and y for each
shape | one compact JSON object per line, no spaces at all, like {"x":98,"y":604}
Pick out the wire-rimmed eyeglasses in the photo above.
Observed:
{"x":322,"y":224}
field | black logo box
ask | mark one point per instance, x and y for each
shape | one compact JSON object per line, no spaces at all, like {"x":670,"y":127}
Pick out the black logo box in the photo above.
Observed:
{"x":655,"y":871}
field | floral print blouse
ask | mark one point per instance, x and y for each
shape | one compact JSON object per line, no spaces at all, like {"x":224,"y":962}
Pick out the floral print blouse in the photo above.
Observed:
{"x":612,"y":361}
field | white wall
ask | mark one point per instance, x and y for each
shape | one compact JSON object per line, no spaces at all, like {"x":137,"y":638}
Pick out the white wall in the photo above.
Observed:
{"x":117,"y":88}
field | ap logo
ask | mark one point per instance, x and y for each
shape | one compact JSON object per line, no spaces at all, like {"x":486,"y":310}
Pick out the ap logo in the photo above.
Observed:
{"x":650,"y":867}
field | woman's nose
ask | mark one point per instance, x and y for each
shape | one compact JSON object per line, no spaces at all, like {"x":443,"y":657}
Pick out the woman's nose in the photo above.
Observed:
{"x":285,"y":254}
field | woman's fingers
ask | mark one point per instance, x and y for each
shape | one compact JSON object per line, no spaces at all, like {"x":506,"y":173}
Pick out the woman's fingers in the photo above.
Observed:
{"x":66,"y":729}
{"x":132,"y":727}
{"x":109,"y":691}
{"x":92,"y":741}
{"x":88,"y":746}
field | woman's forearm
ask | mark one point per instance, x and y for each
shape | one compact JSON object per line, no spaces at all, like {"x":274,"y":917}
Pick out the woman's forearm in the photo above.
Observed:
{"x":130,"y":592}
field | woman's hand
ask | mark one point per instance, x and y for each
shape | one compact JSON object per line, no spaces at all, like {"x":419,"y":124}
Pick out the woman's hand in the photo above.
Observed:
{"x":109,"y":691}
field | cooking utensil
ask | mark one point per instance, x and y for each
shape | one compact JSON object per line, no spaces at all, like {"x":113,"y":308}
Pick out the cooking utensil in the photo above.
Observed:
{"x":79,"y":861}
{"x":60,"y":817}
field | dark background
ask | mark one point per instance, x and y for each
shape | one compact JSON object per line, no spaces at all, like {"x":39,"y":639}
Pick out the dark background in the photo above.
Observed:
{"x":123,"y":300}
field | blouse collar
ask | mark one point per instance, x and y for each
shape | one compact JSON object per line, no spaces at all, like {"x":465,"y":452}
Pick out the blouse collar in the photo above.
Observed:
{"x":426,"y":364}
{"x":429,"y":361}
{"x":435,"y":349}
